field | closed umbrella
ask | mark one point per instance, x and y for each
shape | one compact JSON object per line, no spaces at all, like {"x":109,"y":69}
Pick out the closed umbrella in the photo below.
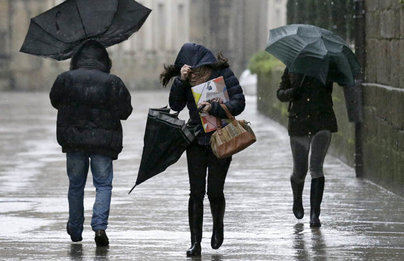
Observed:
{"x":57,"y":32}
{"x":165,"y":140}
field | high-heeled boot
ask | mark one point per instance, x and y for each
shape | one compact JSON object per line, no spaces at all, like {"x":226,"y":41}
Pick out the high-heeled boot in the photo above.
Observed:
{"x":195,"y":216}
{"x":217,"y":207}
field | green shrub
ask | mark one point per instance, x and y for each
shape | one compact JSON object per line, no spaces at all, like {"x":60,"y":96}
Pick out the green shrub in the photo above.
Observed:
{"x":263,"y":63}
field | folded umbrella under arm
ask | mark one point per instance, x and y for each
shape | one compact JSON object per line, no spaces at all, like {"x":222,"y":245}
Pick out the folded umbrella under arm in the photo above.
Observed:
{"x":166,"y":138}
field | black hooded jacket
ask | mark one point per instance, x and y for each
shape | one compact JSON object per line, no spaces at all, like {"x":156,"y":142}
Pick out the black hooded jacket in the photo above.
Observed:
{"x":91,"y":104}
{"x":197,"y":55}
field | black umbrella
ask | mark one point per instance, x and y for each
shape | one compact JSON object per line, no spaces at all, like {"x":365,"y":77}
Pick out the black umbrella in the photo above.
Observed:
{"x":165,"y":140}
{"x":57,"y":32}
{"x":314,"y":51}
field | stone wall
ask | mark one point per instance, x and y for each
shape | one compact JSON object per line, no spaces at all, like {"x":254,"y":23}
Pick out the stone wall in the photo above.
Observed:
{"x":384,"y":40}
{"x":335,"y":15}
{"x":383,"y":128}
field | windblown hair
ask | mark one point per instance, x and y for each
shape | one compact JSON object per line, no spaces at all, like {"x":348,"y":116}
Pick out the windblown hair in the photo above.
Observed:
{"x":94,"y":51}
{"x":169,"y":72}
{"x":222,"y":62}
{"x":172,"y":70}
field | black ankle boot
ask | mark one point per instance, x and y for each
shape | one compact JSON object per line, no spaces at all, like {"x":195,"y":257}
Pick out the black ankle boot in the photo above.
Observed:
{"x":316,"y":196}
{"x":195,"y":216}
{"x":217,"y":206}
{"x":297,"y":189}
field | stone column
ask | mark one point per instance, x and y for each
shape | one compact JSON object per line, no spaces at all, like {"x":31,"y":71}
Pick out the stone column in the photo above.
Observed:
{"x":4,"y":45}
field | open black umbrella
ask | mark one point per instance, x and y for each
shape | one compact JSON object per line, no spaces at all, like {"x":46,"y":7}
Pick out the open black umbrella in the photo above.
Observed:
{"x":314,"y":51}
{"x":57,"y":32}
{"x":165,"y":140}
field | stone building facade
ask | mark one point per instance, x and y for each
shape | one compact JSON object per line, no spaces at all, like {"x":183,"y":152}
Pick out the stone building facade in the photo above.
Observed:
{"x":276,"y":13}
{"x":141,"y":59}
{"x":137,"y":60}
{"x":17,"y":70}
{"x":5,"y":80}
{"x":239,"y":28}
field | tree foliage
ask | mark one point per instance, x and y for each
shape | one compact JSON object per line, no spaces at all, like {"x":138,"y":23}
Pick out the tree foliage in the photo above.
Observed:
{"x":263,"y":63}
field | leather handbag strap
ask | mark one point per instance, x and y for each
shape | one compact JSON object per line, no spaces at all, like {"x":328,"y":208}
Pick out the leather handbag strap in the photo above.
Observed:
{"x":228,"y":114}
{"x":219,"y":123}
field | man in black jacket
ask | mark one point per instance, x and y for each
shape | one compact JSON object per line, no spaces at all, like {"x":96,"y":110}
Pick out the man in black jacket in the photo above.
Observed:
{"x":91,"y":103}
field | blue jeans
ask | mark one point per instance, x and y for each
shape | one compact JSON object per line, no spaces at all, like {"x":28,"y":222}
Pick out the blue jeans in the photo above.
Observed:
{"x":77,"y":169}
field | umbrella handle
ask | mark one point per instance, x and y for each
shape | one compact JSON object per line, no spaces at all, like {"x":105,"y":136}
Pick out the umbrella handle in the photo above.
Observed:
{"x":301,"y":83}
{"x":300,"y":86}
{"x":56,"y":20}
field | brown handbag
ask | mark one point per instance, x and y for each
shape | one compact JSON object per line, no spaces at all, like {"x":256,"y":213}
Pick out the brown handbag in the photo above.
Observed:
{"x":234,"y":137}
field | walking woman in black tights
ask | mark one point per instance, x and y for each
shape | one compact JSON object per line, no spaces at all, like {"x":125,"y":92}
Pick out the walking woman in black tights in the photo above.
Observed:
{"x":311,"y":122}
{"x":194,"y":65}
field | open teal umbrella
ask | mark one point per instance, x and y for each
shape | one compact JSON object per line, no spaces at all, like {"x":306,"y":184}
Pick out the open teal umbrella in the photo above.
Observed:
{"x":315,"y":52}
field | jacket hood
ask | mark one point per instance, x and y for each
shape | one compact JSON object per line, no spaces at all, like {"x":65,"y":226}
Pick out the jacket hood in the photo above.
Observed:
{"x":91,"y":54}
{"x":194,"y":55}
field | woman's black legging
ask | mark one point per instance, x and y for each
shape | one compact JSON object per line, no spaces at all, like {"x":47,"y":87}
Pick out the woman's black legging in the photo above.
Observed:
{"x":202,"y":161}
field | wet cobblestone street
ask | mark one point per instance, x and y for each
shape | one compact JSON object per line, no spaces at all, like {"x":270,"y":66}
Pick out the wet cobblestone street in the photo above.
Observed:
{"x":361,"y":221}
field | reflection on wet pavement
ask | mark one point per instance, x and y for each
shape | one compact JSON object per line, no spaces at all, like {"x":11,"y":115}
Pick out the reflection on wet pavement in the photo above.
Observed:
{"x":361,"y":221}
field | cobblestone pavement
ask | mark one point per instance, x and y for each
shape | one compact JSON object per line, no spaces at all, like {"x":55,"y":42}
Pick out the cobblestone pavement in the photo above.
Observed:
{"x":361,"y":221}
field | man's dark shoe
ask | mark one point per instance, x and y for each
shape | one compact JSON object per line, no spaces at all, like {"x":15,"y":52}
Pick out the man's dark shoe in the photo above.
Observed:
{"x":74,"y":238}
{"x":316,"y":196}
{"x":101,"y":239}
{"x":297,"y":189}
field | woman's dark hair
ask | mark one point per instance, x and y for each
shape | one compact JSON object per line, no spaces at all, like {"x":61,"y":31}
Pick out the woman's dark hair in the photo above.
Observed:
{"x":171,"y":71}
{"x":94,"y":52}
{"x":222,"y":62}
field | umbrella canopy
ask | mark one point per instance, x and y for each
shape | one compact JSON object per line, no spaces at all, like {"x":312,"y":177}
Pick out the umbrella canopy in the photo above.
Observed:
{"x":165,"y":140}
{"x":315,"y":52}
{"x":57,"y":32}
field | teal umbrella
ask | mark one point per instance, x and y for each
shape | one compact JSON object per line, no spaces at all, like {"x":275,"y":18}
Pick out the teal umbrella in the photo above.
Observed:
{"x":314,"y":51}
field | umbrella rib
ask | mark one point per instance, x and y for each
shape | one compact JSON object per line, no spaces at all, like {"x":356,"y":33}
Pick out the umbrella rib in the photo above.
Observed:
{"x":81,"y":19}
{"x":113,"y":18}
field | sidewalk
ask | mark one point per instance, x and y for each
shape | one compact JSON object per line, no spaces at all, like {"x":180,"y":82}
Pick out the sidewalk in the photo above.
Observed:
{"x":360,"y":220}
